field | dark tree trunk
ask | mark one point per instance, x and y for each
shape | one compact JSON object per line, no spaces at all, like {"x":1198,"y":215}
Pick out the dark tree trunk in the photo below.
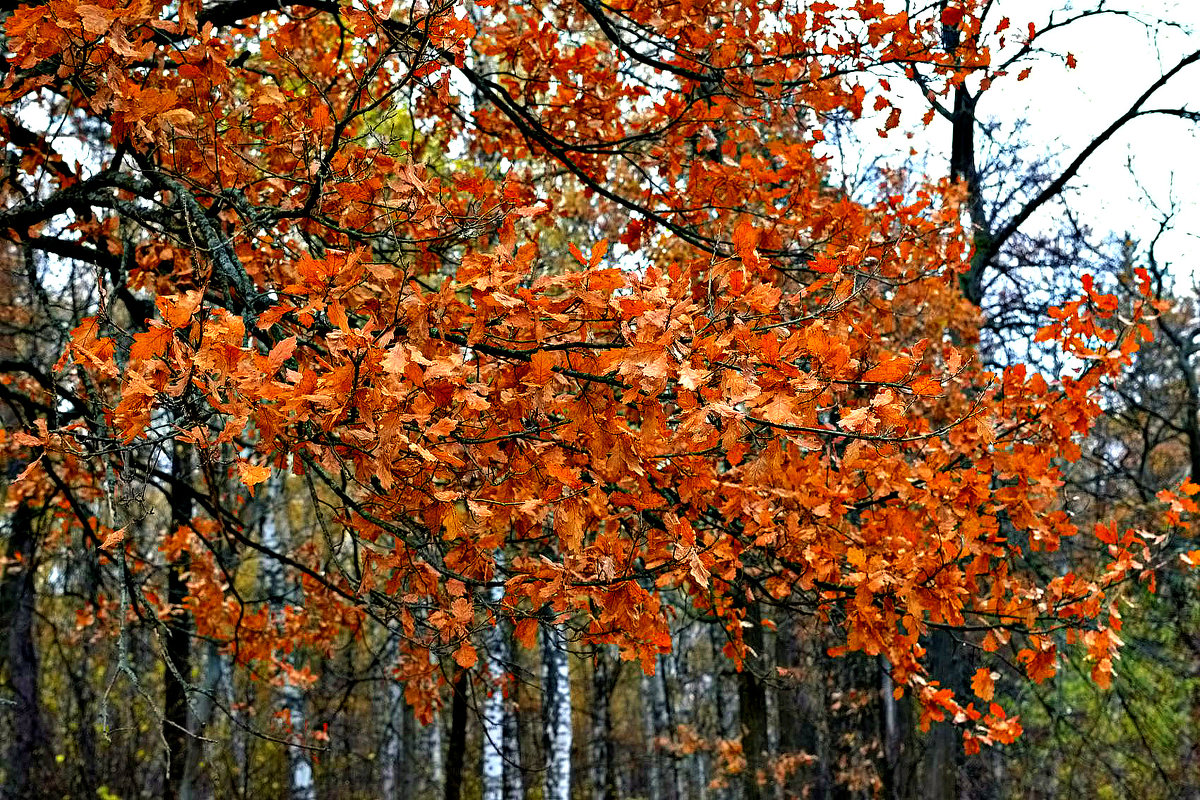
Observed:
{"x":944,"y":753}
{"x":178,"y":634}
{"x":602,"y":752}
{"x":17,"y":599}
{"x":457,"y":746}
{"x":752,"y":705}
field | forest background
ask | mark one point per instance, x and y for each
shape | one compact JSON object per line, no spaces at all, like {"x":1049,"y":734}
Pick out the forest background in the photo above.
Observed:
{"x":590,"y":400}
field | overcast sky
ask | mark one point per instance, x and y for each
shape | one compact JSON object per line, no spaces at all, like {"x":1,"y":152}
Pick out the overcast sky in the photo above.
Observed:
{"x":1118,"y":59}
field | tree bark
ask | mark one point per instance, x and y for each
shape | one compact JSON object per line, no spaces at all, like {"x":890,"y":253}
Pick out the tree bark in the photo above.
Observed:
{"x":556,"y":711}
{"x":17,"y":601}
{"x":500,"y":774}
{"x":457,"y":746}
{"x":393,"y":754}
{"x":602,"y":753}
{"x":178,"y":636}
{"x":193,"y":787}
{"x":752,"y":706}
{"x":274,"y":537}
{"x":942,"y":757}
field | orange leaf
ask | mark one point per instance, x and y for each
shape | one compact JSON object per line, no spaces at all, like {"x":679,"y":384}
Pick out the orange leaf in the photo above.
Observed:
{"x":983,"y":684}
{"x":465,"y":656}
{"x":113,"y":539}
{"x":598,"y":251}
{"x":252,"y":474}
{"x":525,"y":632}
{"x":281,"y":352}
{"x":541,"y":368}
{"x":926,"y":387}
{"x":889,"y":371}
{"x":151,"y":343}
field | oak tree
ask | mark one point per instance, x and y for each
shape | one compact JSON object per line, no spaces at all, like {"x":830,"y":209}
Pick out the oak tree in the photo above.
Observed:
{"x":549,"y":310}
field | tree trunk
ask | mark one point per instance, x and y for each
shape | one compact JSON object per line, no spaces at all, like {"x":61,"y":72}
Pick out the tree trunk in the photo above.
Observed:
{"x":435,"y":778}
{"x":601,"y":750}
{"x":752,"y":707}
{"x":497,"y":775}
{"x":556,"y":712}
{"x":514,"y":782}
{"x":393,"y":756}
{"x":274,"y":537}
{"x":941,"y":759}
{"x":457,"y":746}
{"x":178,"y":669}
{"x":651,"y":715}
{"x":17,"y":600}
{"x":193,"y":787}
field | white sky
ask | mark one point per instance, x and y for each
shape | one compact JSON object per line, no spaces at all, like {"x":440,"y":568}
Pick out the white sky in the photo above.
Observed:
{"x":1118,"y":59}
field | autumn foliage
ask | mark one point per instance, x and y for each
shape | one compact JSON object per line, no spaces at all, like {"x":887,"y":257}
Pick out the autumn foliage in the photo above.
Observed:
{"x":554,"y":296}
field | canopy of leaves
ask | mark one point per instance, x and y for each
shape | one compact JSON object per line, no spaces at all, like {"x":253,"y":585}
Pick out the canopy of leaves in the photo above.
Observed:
{"x":553,"y":285}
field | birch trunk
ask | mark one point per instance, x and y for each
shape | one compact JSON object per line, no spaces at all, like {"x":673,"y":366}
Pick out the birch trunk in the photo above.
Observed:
{"x":514,"y":781}
{"x":556,"y":710}
{"x":392,"y":753}
{"x":274,"y":534}
{"x":492,"y":768}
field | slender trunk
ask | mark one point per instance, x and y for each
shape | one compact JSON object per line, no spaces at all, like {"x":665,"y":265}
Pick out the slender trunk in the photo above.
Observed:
{"x":514,"y":782}
{"x":392,"y":753}
{"x":457,"y":746}
{"x":896,"y":724}
{"x":274,"y":537}
{"x":665,"y":679}
{"x":941,"y":759}
{"x":239,"y":742}
{"x":556,"y":710}
{"x":962,"y":167}
{"x":752,"y":707}
{"x":798,"y":714}
{"x":601,"y":750}
{"x":651,"y":715}
{"x":436,"y":776}
{"x":495,"y":704}
{"x":178,"y":667}
{"x":192,"y":786}
{"x":17,"y":599}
